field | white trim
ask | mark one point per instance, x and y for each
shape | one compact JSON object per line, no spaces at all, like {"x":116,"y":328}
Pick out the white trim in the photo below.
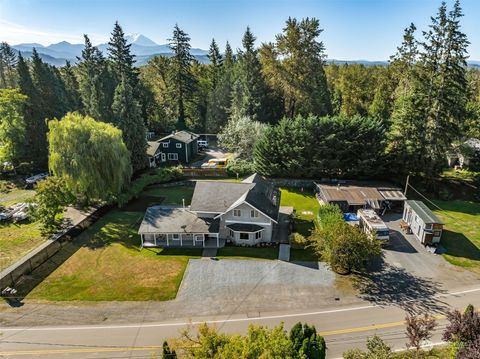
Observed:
{"x":232,"y":221}
{"x":230,"y":209}
{"x":186,"y":153}
{"x":175,"y":155}
{"x":165,"y":144}
{"x":177,"y":145}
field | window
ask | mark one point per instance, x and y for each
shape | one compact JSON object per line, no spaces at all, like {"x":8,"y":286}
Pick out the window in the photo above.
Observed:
{"x":179,"y":145}
{"x":165,"y":144}
{"x":237,"y":213}
{"x":437,"y":233}
{"x":175,"y":236}
{"x":258,"y":235}
{"x":173,"y":156}
{"x":244,"y":236}
{"x":232,"y":234}
{"x":253,"y":214}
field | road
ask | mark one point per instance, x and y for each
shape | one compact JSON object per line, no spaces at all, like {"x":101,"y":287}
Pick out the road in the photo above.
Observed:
{"x":343,"y":327}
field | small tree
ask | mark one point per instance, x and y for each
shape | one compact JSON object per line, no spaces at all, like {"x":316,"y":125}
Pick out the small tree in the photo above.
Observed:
{"x":419,"y":329}
{"x":52,"y":197}
{"x":462,"y":329}
{"x":168,"y":353}
{"x":376,"y":349}
{"x":472,"y":351}
{"x":306,"y":342}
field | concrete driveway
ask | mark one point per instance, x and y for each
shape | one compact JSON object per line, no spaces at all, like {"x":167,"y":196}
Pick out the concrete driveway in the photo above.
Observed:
{"x":210,"y":153}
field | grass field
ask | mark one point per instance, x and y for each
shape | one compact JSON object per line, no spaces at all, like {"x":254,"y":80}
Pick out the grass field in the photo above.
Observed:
{"x":461,"y":235}
{"x":306,"y":207}
{"x":16,"y":239}
{"x":109,"y":264}
{"x":173,"y":195}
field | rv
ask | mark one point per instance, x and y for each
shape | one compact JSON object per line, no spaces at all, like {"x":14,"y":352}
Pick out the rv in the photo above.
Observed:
{"x":370,"y":222}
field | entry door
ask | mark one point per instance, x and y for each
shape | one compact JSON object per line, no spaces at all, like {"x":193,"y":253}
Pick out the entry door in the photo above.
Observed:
{"x":163,"y":157}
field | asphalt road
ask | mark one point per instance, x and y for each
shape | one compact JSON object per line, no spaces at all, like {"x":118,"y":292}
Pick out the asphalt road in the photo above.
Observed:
{"x":343,"y":328}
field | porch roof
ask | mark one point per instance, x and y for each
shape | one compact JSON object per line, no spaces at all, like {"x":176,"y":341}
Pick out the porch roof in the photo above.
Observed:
{"x":170,"y":219}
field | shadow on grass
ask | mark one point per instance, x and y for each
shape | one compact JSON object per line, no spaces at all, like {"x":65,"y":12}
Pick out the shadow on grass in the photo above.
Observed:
{"x":303,"y":226}
{"x":457,"y":245}
{"x":191,"y":252}
{"x":248,"y":252}
{"x":466,"y":207}
{"x":141,"y":203}
{"x":389,"y":285}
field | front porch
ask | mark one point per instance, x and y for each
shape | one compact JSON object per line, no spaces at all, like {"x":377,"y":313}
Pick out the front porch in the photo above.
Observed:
{"x":181,"y":240}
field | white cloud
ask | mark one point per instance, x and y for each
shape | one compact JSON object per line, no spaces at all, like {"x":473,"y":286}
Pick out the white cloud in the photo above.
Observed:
{"x":15,"y":34}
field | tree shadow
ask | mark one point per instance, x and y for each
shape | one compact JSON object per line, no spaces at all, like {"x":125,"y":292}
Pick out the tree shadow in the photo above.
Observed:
{"x":457,"y":245}
{"x":389,"y":285}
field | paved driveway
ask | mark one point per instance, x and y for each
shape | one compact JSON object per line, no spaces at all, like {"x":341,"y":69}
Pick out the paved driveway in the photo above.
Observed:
{"x":254,"y":286}
{"x":210,"y":153}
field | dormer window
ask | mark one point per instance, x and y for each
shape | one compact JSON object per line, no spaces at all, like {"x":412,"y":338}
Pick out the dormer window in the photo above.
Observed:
{"x":179,"y":145}
{"x":165,"y":144}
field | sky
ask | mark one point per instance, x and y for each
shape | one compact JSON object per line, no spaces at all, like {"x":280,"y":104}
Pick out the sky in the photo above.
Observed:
{"x":353,"y":29}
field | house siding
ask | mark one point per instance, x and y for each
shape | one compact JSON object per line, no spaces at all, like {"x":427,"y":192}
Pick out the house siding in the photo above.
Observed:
{"x":185,"y":153}
{"x":418,"y":226}
{"x":261,"y":220}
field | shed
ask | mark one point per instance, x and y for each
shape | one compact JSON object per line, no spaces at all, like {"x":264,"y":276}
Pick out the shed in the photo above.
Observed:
{"x":422,"y":222}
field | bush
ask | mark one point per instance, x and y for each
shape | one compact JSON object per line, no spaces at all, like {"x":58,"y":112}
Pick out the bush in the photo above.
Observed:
{"x":159,"y":175}
{"x":329,"y":214}
{"x":297,"y":240}
{"x":241,"y":167}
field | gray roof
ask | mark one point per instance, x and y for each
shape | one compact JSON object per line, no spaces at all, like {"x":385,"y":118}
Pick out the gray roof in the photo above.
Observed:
{"x":218,"y":196}
{"x":423,"y":212}
{"x":182,"y":136}
{"x":245,"y":227}
{"x":152,"y":148}
{"x":170,"y":219}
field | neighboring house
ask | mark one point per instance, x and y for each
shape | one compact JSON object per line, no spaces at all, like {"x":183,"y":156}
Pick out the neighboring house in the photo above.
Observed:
{"x":465,"y":154}
{"x":422,"y":222}
{"x":178,"y":147}
{"x":351,"y":197}
{"x":244,"y":213}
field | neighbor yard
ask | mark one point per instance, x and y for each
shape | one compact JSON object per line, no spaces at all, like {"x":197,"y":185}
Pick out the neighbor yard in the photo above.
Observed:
{"x":306,"y":208}
{"x":461,"y":235}
{"x":109,"y":264}
{"x":16,"y":239}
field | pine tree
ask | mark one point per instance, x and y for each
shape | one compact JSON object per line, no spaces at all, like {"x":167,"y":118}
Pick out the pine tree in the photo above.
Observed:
{"x":127,"y":117}
{"x":215,"y":63}
{"x":182,"y":79}
{"x":121,"y":57}
{"x":35,"y":124}
{"x":71,"y":88}
{"x":250,"y":89}
{"x":8,"y":60}
{"x":96,"y":85}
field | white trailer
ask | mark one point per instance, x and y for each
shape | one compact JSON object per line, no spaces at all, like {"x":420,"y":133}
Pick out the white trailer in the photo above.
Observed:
{"x":370,"y":222}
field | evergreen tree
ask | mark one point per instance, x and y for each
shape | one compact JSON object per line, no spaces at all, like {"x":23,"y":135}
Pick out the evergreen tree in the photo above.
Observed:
{"x":71,"y":87}
{"x":96,"y":85}
{"x":250,"y":88}
{"x":215,"y":63}
{"x":35,"y":124}
{"x":183,"y":82}
{"x":121,"y":57}
{"x":8,"y":60}
{"x":127,"y":117}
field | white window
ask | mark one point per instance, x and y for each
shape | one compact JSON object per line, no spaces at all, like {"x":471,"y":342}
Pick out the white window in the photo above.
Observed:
{"x":176,"y":236}
{"x":165,"y":144}
{"x":253,"y":213}
{"x":237,"y":213}
{"x":179,"y":145}
{"x":258,"y":235}
{"x":173,"y":156}
{"x":232,"y":234}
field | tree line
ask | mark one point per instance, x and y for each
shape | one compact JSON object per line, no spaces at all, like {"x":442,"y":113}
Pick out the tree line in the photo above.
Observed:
{"x":310,"y":117}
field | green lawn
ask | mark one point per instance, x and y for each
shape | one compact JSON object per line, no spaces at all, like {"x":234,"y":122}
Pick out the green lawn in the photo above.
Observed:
{"x":247,"y":253}
{"x":461,"y":235}
{"x":306,"y":208}
{"x":108,"y":264}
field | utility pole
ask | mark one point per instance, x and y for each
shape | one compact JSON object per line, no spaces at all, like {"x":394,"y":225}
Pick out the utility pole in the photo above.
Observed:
{"x":406,"y":186}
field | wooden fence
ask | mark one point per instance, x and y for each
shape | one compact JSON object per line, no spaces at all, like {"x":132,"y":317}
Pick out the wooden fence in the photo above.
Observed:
{"x":204,"y":172}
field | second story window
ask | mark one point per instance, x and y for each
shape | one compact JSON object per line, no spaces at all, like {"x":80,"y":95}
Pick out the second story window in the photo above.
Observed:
{"x":237,"y":213}
{"x":253,"y":214}
{"x":165,"y":144}
{"x":179,"y":145}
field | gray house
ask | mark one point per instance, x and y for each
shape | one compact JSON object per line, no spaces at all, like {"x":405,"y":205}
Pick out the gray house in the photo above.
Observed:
{"x":244,"y":213}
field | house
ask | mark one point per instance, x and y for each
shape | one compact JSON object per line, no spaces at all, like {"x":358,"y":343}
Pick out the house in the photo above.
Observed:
{"x":244,"y":213}
{"x":422,"y":222}
{"x":465,"y":154}
{"x":352,"y":196}
{"x":178,"y":147}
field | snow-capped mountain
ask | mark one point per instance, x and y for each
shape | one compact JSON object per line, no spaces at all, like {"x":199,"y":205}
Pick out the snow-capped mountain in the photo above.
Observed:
{"x":142,"y":47}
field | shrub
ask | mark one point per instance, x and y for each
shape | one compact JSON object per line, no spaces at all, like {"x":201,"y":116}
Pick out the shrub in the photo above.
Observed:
{"x":159,"y":175}
{"x":241,"y":167}
{"x":297,"y":240}
{"x":329,"y":214}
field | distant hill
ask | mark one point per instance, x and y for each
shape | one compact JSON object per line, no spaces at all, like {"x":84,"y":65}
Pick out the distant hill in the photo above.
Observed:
{"x":142,"y":47}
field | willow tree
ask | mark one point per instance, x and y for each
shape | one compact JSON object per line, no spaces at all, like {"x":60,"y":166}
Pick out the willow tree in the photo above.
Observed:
{"x":90,"y":156}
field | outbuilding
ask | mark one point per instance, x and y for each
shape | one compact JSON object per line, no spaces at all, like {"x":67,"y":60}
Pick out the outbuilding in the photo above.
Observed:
{"x":422,"y":222}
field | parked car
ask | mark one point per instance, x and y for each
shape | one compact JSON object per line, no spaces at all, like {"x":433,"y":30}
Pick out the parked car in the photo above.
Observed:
{"x":202,"y":144}
{"x":31,"y":181}
{"x":17,"y":212}
{"x":216,"y":163}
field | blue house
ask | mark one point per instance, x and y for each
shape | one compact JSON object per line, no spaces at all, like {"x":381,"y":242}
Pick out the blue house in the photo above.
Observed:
{"x":178,"y":147}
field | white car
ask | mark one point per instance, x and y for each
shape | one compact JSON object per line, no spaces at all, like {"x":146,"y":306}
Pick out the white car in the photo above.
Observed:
{"x":36,"y":178}
{"x":202,"y":143}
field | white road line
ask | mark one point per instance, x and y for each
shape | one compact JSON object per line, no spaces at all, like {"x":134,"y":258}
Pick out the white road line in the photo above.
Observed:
{"x":175,"y":324}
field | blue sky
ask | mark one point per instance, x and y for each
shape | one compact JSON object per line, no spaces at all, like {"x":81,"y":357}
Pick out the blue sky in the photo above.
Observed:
{"x":354,"y":29}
